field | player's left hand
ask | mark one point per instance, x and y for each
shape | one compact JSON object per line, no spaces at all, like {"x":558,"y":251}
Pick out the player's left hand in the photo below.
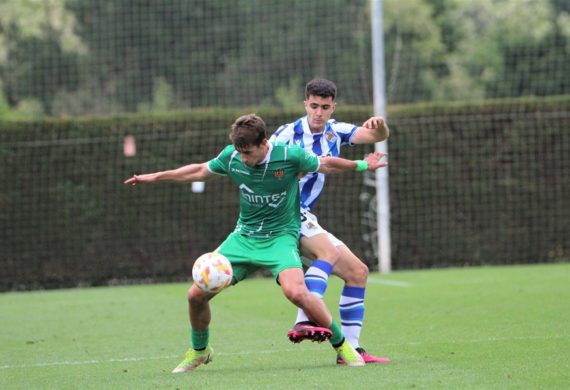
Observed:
{"x":132,"y":181}
{"x":373,"y":160}
{"x":374,"y":122}
{"x":135,"y":179}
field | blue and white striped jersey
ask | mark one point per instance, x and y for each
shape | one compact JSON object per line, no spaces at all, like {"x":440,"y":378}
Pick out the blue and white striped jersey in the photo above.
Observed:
{"x":326,"y":143}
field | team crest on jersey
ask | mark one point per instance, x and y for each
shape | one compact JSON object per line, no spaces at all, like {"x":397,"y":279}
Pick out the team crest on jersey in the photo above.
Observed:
{"x":330,"y":136}
{"x":279,"y":174}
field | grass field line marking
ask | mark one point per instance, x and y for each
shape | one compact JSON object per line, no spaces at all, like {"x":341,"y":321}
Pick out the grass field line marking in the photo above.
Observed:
{"x":82,"y":362}
{"x":476,"y":341}
{"x":394,"y":283}
{"x":257,"y":352}
{"x":139,"y":359}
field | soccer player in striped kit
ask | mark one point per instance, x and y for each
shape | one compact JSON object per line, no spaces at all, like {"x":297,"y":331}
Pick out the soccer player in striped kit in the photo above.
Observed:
{"x":319,"y":134}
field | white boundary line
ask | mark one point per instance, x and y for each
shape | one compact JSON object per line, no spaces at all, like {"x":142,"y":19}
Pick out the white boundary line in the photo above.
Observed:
{"x":138,"y":359}
{"x":165,"y":357}
{"x":393,"y":283}
{"x":79,"y":363}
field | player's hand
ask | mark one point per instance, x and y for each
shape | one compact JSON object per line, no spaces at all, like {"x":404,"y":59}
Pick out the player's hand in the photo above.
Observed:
{"x":373,"y":160}
{"x":133,"y":181}
{"x":140,"y":179}
{"x":374,"y":122}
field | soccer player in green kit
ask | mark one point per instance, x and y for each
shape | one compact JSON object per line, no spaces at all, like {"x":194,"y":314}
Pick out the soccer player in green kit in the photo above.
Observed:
{"x":267,"y":230}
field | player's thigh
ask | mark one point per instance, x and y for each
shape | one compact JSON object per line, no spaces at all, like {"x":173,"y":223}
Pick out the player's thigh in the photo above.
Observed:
{"x":316,"y":242}
{"x":349,"y":267}
{"x":238,"y":251}
{"x":319,"y":247}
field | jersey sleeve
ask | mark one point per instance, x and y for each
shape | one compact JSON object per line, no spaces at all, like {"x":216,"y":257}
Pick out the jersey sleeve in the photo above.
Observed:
{"x":283,"y":134}
{"x":307,"y":162}
{"x":221,"y":163}
{"x":346,"y":131}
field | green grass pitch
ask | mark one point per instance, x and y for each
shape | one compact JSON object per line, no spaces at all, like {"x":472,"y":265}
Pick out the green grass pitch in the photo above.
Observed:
{"x":476,"y":328}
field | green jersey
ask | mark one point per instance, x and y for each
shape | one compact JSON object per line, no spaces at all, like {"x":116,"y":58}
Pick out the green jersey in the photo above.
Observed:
{"x":269,"y":191}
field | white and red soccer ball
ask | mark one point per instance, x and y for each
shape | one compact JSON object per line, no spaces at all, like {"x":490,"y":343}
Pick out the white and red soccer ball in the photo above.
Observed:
{"x":212,"y":272}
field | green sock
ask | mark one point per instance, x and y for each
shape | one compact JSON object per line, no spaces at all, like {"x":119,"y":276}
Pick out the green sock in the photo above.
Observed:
{"x":337,"y":336}
{"x":199,"y":338}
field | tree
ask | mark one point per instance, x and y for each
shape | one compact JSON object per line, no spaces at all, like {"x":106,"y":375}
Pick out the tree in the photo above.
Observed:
{"x":414,"y":50}
{"x":38,"y":51}
{"x":133,"y":44}
{"x":79,"y":57}
{"x":505,"y":48}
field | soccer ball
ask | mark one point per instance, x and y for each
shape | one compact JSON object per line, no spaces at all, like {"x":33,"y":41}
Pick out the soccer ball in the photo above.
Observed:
{"x":212,"y":272}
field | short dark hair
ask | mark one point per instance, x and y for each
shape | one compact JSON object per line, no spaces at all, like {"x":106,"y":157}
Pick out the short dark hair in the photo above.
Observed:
{"x":248,"y":130}
{"x":320,"y":87}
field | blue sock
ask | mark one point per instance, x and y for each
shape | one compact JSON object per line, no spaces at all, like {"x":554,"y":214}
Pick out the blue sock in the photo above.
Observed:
{"x":316,"y":280}
{"x":317,"y":276}
{"x":351,"y":307}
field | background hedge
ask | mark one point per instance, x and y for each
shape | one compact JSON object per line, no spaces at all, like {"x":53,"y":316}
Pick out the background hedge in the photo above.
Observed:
{"x":478,"y":183}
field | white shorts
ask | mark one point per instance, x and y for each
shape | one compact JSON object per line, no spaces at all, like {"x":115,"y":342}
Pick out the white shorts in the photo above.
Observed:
{"x":310,"y":227}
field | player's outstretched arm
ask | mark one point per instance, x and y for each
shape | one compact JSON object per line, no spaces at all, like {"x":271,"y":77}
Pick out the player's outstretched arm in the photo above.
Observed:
{"x":336,"y":164}
{"x":192,"y":172}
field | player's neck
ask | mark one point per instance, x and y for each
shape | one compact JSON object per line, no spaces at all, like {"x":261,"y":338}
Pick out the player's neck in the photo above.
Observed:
{"x":266,"y":150}
{"x":315,"y":131}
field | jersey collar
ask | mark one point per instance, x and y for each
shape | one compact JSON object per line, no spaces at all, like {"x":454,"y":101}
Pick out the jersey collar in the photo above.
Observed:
{"x":268,"y":155}
{"x":304,"y":128}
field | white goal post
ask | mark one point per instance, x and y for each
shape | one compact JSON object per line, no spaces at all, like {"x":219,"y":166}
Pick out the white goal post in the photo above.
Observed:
{"x":382,"y":175}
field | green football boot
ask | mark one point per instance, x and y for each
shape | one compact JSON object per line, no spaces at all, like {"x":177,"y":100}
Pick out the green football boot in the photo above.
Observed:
{"x":194,"y":358}
{"x":348,"y":355}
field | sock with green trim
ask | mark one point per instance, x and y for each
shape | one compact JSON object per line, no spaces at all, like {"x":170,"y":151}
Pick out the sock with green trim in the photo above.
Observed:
{"x":199,"y":339}
{"x":337,"y":337}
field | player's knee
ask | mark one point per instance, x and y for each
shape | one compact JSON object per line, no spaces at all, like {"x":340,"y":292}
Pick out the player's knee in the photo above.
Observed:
{"x":191,"y":295}
{"x":329,"y":254}
{"x":195,"y":295}
{"x":357,"y":274}
{"x":296,"y":295}
{"x":361,"y":272}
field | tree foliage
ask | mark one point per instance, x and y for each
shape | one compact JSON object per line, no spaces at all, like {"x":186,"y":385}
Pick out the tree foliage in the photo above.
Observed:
{"x":77,"y":57}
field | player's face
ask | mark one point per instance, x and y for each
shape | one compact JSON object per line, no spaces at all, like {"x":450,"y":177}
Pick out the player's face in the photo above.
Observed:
{"x":319,"y":111}
{"x":253,"y":155}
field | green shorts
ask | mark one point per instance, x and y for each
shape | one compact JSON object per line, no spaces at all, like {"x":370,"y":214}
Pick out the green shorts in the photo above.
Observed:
{"x":247,"y":254}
